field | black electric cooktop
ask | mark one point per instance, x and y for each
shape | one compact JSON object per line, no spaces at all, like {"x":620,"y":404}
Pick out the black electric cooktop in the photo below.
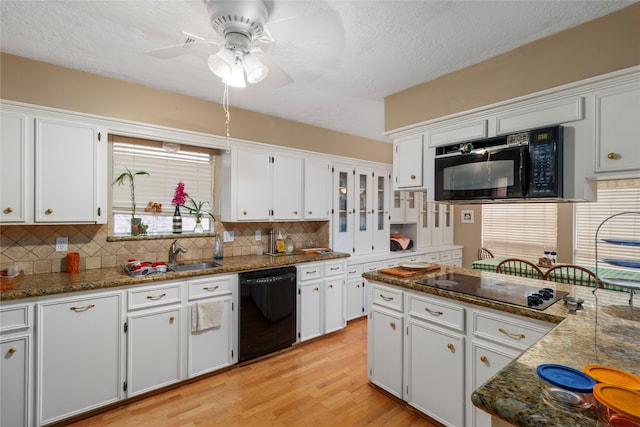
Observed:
{"x":503,"y":290}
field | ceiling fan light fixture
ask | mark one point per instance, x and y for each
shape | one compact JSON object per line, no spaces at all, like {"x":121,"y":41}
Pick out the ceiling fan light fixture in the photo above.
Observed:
{"x":221,"y":63}
{"x":256,"y":70}
{"x":236,"y":78}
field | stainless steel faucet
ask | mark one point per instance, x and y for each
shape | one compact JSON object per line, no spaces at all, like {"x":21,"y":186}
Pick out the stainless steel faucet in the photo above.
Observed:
{"x":174,"y":250}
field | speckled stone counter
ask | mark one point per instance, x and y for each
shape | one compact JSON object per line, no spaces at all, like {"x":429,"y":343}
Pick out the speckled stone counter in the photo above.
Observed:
{"x":38,"y":285}
{"x":513,"y":394}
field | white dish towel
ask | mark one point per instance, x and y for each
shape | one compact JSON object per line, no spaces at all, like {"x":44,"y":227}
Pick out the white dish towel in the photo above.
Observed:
{"x":206,"y":315}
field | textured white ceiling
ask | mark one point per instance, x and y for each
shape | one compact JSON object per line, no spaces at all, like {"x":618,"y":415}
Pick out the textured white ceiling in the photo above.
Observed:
{"x":344,"y":56}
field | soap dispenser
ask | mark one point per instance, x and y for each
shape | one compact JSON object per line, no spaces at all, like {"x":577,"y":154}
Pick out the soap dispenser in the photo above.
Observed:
{"x":280,"y":243}
{"x":217,"y":247}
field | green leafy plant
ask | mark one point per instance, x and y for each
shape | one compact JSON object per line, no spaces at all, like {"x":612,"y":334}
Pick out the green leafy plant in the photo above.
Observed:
{"x":128,"y":175}
{"x":197,"y":208}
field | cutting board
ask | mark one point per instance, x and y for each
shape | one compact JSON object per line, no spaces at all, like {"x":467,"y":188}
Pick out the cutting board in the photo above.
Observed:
{"x":408,"y":272}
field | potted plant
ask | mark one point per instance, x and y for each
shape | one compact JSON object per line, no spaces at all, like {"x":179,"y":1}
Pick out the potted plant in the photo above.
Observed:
{"x":197,"y":209}
{"x":137,"y":227}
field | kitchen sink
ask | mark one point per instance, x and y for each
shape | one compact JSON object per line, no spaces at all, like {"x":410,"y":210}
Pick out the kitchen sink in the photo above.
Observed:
{"x":191,"y":267}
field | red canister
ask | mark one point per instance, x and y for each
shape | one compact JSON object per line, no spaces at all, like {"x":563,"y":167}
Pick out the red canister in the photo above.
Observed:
{"x":73,"y":262}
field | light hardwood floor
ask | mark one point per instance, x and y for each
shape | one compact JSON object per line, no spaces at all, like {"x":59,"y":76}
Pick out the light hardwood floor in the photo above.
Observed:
{"x":322,"y":383}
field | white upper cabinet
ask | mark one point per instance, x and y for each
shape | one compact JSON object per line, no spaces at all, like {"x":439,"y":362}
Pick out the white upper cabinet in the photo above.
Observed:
{"x":317,"y":185}
{"x":13,"y":167}
{"x":260,"y":185}
{"x":405,"y":206}
{"x":53,"y":169}
{"x":66,"y":159}
{"x":461,"y":132}
{"x":408,"y":162}
{"x":617,"y":128}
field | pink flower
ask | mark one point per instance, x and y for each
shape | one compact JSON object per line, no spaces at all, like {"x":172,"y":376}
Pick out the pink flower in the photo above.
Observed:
{"x":180,"y":195}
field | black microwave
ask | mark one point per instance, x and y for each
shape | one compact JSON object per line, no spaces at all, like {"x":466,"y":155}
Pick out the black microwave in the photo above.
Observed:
{"x":524,"y":165}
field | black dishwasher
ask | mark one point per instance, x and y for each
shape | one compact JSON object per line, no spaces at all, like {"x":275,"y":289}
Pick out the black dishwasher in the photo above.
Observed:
{"x":267,"y":311}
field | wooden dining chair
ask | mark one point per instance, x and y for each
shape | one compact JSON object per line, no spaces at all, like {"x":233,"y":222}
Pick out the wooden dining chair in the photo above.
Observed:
{"x":519,"y":267}
{"x":484,"y":253}
{"x":573,"y":275}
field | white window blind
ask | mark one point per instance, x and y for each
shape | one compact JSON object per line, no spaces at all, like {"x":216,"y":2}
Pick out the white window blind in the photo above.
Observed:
{"x":614,"y":196}
{"x":520,"y":230}
{"x":194,"y":166}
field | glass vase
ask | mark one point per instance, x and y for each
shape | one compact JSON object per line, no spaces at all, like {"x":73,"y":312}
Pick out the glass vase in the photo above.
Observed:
{"x":198,"y":228}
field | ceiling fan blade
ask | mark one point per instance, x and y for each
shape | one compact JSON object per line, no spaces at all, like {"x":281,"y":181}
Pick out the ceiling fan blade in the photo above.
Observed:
{"x":187,"y":43}
{"x":310,"y":39}
{"x":277,"y":77}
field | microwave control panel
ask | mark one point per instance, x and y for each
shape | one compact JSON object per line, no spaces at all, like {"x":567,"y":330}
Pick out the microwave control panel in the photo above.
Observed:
{"x":545,"y":158}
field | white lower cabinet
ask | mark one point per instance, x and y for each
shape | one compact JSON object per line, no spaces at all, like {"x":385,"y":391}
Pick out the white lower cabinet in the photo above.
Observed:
{"x":154,"y":337}
{"x":214,"y":348}
{"x":355,"y":294}
{"x":15,"y":365}
{"x":385,"y":338}
{"x":321,"y":298}
{"x":450,"y":348}
{"x":79,"y":355}
{"x":435,"y":372}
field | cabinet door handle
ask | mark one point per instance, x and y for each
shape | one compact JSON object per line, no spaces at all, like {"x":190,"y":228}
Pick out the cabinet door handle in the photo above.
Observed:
{"x":85,"y":308}
{"x":612,"y":156}
{"x":393,"y":325}
{"x":211,"y":289}
{"x":413,"y":177}
{"x":312,"y":272}
{"x":8,"y":210}
{"x":157,"y":297}
{"x":295,"y":212}
{"x":309,"y":213}
{"x":386,"y":298}
{"x":12,"y":350}
{"x":512,"y":335}
{"x":48,"y":211}
{"x":334,"y":268}
{"x":330,"y":286}
{"x":171,"y":319}
{"x":316,"y":289}
{"x":484,"y":359}
{"x":244,"y":212}
{"x":434,"y":313}
{"x":450,"y":346}
{"x":353,"y":272}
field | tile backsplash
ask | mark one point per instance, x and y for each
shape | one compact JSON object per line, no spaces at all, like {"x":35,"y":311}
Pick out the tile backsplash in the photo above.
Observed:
{"x":33,"y":247}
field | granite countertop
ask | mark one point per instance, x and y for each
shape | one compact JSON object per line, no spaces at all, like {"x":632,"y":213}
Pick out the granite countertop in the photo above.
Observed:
{"x":514,"y":394}
{"x":38,"y":285}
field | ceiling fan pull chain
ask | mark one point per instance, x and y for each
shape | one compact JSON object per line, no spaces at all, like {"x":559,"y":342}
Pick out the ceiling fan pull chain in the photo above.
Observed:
{"x":225,"y":106}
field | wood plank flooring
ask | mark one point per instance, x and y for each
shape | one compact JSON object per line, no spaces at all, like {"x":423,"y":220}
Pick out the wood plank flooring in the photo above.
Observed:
{"x":321,"y":383}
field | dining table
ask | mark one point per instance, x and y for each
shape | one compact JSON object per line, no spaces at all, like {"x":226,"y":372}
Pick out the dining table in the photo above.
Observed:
{"x":604,"y":273}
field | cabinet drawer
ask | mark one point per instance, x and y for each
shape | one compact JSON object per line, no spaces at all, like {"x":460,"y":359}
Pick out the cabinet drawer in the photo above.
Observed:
{"x":154,"y":296}
{"x":436,"y":311}
{"x":334,"y":268}
{"x":309,"y":271}
{"x":371,"y":266}
{"x":388,"y":263}
{"x":387,"y":297}
{"x":15,"y":317}
{"x":210,"y":287}
{"x":434,"y":257}
{"x":445,"y":256}
{"x":512,"y":332}
{"x":354,"y":271}
{"x":456,"y":254}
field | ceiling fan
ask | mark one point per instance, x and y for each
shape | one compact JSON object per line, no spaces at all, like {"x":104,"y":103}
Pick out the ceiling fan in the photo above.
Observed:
{"x":245,"y":46}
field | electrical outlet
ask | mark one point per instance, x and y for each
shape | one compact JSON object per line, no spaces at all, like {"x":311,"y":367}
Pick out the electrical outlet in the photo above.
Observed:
{"x":258,"y":235}
{"x":62,"y":244}
{"x":227,"y":236}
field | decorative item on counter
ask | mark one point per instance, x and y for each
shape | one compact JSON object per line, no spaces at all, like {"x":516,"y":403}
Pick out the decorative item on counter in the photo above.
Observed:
{"x":196,"y":209}
{"x":137,"y":227}
{"x":280,"y":244}
{"x":288,"y":244}
{"x":155,"y":208}
{"x":10,"y":277}
{"x":178,"y":200}
{"x":73,"y":262}
{"x":217,"y":247}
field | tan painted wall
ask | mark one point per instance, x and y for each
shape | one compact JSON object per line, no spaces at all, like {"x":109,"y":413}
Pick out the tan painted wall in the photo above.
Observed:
{"x":34,"y":82}
{"x":606,"y":44}
{"x":603,"y":45}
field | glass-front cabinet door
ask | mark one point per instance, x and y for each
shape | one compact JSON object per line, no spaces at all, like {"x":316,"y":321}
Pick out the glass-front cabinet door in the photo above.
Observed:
{"x":364,"y":211}
{"x":343,"y":208}
{"x":381,"y":216}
